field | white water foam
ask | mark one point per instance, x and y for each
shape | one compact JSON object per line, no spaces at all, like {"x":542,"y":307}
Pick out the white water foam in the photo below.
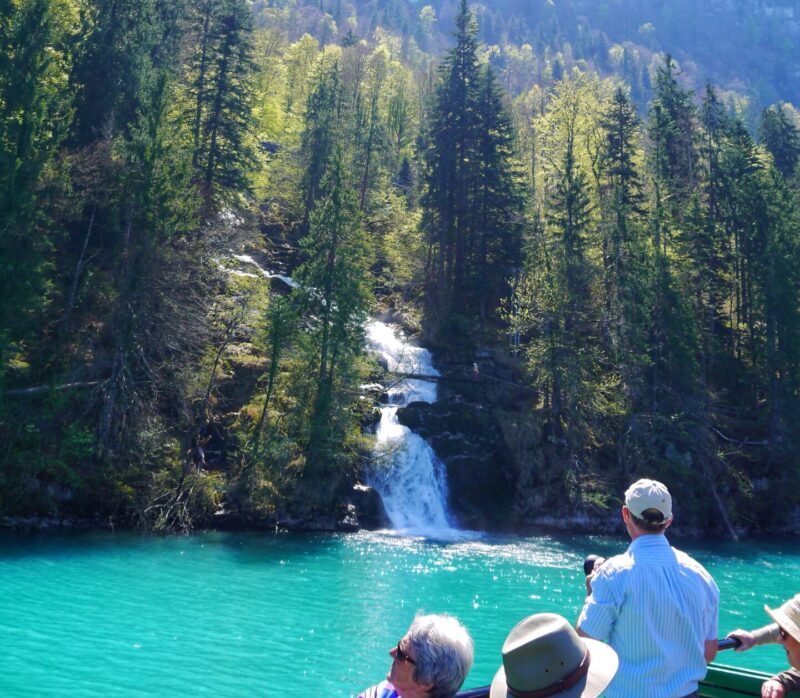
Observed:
{"x":407,"y":473}
{"x":247,"y":259}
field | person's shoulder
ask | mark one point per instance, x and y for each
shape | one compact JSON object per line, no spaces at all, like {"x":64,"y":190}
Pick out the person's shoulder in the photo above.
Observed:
{"x":618,"y":564}
{"x":687,"y":561}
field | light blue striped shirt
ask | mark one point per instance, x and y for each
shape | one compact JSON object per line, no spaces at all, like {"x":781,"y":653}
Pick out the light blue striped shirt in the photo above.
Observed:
{"x":656,"y":607}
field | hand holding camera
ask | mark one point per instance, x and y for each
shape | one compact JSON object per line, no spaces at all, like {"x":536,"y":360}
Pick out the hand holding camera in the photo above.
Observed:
{"x":591,"y":564}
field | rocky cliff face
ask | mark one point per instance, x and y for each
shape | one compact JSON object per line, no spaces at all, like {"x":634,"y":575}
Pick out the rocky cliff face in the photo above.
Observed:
{"x":470,"y":444}
{"x":486,"y":430}
{"x":476,"y":430}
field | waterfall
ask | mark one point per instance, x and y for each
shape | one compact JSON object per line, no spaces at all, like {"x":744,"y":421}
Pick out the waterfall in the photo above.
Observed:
{"x":406,"y":472}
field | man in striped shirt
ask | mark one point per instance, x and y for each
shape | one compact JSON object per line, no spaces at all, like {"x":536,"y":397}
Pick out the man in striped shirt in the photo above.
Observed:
{"x":655,"y":605}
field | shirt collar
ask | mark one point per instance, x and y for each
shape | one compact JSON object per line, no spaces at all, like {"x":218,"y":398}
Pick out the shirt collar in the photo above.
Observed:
{"x":649,"y":541}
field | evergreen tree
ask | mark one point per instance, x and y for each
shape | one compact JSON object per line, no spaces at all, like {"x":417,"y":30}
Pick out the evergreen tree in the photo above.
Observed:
{"x":220,"y":92}
{"x":675,"y":126}
{"x":36,"y":108}
{"x":624,"y":254}
{"x":496,"y":255}
{"x":556,"y":298}
{"x":781,"y":138}
{"x":671,"y":347}
{"x":335,"y":300}
{"x":122,"y":36}
{"x":703,"y":238}
{"x":471,"y":204}
{"x":320,"y":133}
{"x":450,"y":154}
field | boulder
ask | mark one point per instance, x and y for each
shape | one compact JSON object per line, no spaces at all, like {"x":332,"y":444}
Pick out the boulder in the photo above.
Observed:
{"x":469,"y":442}
{"x":349,"y":522}
{"x":368,"y":508}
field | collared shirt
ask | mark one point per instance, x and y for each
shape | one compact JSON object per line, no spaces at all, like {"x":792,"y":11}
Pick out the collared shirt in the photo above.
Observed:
{"x":656,"y":607}
{"x":382,"y":690}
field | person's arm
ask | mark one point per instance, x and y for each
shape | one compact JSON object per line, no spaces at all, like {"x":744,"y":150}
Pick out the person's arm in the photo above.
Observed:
{"x":763,"y":636}
{"x":772,"y":689}
{"x":778,"y":686}
{"x":712,"y":622}
{"x":601,"y":608}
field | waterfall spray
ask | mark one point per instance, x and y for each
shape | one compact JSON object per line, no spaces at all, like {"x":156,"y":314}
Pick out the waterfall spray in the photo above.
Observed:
{"x":406,"y":472}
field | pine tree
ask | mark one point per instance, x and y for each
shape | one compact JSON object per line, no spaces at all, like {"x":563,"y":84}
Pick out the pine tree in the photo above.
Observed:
{"x":496,"y":254}
{"x":703,"y":239}
{"x":624,"y":252}
{"x":559,"y":284}
{"x":335,"y":298}
{"x":450,"y":157}
{"x":675,"y":124}
{"x":671,"y":357}
{"x":321,"y":131}
{"x":220,"y":96}
{"x":122,"y":36}
{"x":36,"y":108}
{"x":471,"y":203}
{"x":781,"y":138}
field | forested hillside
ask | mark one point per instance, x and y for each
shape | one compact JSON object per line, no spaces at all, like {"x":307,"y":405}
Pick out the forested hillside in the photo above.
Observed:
{"x":750,"y":49}
{"x":608,"y":208}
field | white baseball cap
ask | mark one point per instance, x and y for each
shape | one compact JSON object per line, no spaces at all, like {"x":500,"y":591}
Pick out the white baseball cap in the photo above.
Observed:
{"x":646,"y":494}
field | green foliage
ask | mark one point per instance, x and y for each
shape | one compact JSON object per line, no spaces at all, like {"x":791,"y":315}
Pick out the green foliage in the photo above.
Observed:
{"x":471,"y":203}
{"x":35,"y":109}
{"x":219,"y":96}
{"x":335,"y":300}
{"x":654,"y":267}
{"x":781,"y":138}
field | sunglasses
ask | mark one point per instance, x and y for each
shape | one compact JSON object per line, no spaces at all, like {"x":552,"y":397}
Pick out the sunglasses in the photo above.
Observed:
{"x":403,"y":656}
{"x":784,"y":634}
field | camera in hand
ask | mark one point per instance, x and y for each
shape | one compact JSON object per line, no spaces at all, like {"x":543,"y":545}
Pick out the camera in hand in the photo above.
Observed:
{"x":590,"y":562}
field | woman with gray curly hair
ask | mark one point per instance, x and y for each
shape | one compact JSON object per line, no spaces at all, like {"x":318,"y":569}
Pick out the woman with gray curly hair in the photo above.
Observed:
{"x":431,"y":660}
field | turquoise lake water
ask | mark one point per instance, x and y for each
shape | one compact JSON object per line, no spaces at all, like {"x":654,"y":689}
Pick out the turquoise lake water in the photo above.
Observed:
{"x":223,"y":614}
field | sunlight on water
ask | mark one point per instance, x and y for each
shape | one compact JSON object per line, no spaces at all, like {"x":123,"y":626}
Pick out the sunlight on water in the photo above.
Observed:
{"x":295,"y":615}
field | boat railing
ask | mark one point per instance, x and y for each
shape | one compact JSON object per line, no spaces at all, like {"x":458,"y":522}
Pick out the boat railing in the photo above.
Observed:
{"x":721,"y":682}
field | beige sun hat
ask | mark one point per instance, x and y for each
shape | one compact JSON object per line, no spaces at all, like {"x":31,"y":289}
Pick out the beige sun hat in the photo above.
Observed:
{"x":647,"y":494}
{"x":788,"y":616}
{"x":544,"y":656}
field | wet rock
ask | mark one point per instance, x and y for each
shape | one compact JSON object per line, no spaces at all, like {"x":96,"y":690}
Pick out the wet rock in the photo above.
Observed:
{"x":469,"y":442}
{"x":349,"y":522}
{"x":369,"y":508}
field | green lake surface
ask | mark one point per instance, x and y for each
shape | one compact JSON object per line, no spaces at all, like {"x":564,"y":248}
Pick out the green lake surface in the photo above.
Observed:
{"x":261,"y":614}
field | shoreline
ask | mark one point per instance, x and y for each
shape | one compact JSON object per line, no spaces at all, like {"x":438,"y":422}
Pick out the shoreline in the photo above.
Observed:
{"x":540,"y":526}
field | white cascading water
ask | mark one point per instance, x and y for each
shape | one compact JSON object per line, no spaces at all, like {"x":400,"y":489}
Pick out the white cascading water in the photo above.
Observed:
{"x":406,"y":472}
{"x":247,"y":259}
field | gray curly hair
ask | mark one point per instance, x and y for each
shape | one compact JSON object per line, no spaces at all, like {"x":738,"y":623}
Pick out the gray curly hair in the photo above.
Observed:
{"x":443,"y":653}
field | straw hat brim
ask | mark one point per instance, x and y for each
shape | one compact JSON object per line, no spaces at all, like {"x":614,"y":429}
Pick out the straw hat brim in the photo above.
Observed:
{"x":789,"y":624}
{"x":602,"y":667}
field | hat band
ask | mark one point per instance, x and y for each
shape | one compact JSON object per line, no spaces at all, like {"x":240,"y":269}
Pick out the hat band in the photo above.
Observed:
{"x":556,"y":688}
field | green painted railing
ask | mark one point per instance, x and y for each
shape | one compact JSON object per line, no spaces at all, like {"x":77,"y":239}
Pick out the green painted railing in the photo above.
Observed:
{"x":731,"y":682}
{"x":720,"y":682}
